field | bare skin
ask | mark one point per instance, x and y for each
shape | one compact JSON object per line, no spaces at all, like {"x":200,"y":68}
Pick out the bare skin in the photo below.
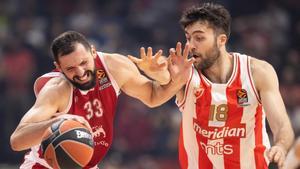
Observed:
{"x":52,"y":100}
{"x":293,"y":158}
{"x":204,"y":47}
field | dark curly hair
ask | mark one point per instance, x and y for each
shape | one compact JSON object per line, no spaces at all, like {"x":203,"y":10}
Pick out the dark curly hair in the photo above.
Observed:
{"x":65,"y":44}
{"x":217,"y":16}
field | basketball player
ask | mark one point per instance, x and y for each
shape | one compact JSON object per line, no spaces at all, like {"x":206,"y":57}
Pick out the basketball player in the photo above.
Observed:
{"x":293,"y":157}
{"x":226,"y":99}
{"x":87,"y":83}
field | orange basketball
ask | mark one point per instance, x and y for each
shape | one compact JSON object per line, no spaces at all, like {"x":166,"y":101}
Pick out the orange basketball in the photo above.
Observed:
{"x":67,"y":144}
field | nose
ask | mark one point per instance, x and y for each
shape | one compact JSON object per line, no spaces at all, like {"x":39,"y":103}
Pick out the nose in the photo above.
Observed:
{"x":191,"y":45}
{"x":80,"y":71}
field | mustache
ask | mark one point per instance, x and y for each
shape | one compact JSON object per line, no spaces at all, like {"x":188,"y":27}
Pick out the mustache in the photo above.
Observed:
{"x":195,"y":55}
{"x":88,"y":72}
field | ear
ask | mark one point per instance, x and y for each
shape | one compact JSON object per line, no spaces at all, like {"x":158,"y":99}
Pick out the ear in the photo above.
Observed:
{"x":93,"y":50}
{"x":222,"y":39}
{"x":57,"y":66}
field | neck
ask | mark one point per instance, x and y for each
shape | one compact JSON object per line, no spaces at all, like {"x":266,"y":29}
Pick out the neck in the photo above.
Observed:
{"x":221,"y":70}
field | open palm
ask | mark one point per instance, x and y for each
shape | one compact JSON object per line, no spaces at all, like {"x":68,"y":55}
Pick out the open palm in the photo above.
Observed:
{"x":149,"y":63}
{"x":179,"y":65}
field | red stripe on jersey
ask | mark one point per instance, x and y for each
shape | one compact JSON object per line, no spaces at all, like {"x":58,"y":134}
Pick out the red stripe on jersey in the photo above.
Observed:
{"x":202,"y":107}
{"x":183,"y":160}
{"x":234,"y":116}
{"x":259,"y":149}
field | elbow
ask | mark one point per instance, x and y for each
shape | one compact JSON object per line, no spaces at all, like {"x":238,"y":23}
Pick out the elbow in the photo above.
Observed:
{"x":14,"y":143}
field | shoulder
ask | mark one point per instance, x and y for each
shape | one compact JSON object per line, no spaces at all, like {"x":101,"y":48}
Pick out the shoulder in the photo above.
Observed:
{"x":56,"y":91}
{"x":260,"y":66}
{"x":115,"y":58}
{"x":57,"y":84}
{"x":120,"y":67}
{"x":119,"y":63}
{"x":264,"y":74}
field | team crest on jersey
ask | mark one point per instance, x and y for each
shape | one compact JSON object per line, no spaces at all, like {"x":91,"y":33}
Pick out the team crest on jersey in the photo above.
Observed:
{"x":242,"y":97}
{"x":198,"y":92}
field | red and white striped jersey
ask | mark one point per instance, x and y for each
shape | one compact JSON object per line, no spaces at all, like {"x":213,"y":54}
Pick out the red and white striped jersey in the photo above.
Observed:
{"x":96,"y":105}
{"x":223,"y":125}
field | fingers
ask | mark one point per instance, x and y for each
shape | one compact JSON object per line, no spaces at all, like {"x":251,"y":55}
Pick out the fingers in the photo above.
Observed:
{"x":162,"y":65}
{"x":271,"y":153}
{"x":186,"y":50}
{"x":277,"y":155}
{"x":178,"y":52}
{"x":172,"y":52}
{"x":143,"y":53}
{"x":157,"y":55}
{"x":77,"y":118}
{"x":149,"y":53}
{"x":178,"y":49}
{"x":191,"y":61}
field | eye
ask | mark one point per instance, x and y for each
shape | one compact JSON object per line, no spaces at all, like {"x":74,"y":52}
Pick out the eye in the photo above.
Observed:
{"x":69,"y":69}
{"x":83,"y":63}
{"x":198,"y":39}
{"x":188,"y":39}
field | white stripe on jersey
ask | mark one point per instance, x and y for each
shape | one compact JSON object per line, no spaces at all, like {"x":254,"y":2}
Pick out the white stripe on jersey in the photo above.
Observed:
{"x":218,"y":93}
{"x":190,"y":140}
{"x":32,"y":158}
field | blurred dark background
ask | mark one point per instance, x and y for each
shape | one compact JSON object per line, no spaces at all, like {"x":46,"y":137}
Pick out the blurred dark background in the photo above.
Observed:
{"x":144,"y":138}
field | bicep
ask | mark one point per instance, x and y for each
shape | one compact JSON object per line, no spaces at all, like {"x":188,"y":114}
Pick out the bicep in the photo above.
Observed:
{"x":136,"y":84}
{"x":128,"y":77}
{"x":268,"y":88}
{"x":47,"y":103}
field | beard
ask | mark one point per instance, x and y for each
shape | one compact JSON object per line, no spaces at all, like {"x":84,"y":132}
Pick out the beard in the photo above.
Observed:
{"x":87,"y":85}
{"x":208,"y":59}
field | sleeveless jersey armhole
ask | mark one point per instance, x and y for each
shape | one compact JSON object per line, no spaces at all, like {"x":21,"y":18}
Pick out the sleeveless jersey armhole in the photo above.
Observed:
{"x":111,"y":78}
{"x":180,"y":103}
{"x":251,"y":79}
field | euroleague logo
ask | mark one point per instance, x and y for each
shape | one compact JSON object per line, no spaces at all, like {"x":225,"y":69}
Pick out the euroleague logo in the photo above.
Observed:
{"x":242,"y":97}
{"x":100,"y":74}
{"x":103,"y":79}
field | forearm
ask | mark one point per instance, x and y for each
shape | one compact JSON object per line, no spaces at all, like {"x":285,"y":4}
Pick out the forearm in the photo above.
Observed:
{"x":29,"y":134}
{"x":284,"y":136}
{"x":162,"y":93}
{"x":162,"y":77}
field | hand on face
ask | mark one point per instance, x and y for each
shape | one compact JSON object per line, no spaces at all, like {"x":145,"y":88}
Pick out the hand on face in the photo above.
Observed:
{"x":150,"y":63}
{"x":179,"y":65}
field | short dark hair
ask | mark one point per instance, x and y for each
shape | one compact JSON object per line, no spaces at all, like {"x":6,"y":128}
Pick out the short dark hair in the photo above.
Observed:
{"x":65,"y":43}
{"x":216,"y":15}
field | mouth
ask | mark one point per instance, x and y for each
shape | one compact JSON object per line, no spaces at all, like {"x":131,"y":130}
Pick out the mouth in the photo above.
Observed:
{"x":196,"y":56}
{"x":83,"y":78}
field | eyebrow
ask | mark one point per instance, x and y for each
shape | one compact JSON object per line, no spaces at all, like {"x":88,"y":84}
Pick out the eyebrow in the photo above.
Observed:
{"x":196,"y":31}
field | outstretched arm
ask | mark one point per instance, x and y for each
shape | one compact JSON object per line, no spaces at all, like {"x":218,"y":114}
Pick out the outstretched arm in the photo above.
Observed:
{"x":154,"y":66}
{"x":266,"y":82}
{"x":150,"y":92}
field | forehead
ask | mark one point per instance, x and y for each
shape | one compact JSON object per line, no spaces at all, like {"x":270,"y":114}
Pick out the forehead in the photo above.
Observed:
{"x":199,"y":27}
{"x":76,"y":57}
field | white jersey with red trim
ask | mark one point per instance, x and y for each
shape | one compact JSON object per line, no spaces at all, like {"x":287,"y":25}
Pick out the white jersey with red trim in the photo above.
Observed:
{"x":223,"y":125}
{"x":97,"y":106}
